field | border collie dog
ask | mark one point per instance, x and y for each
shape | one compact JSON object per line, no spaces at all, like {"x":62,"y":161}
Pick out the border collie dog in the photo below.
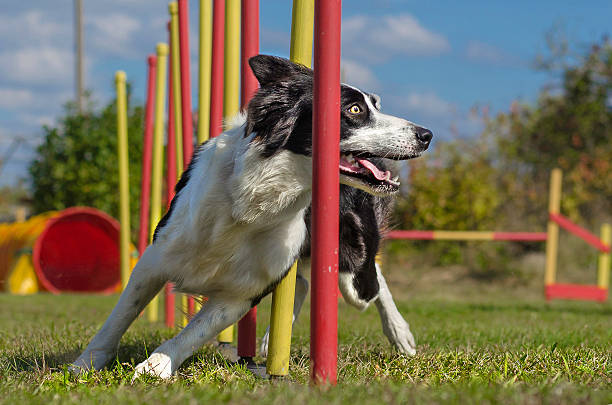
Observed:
{"x":236,"y":224}
{"x":364,"y":218}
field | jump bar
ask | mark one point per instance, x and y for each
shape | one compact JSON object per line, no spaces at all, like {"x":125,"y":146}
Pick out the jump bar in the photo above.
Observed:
{"x":576,"y":292}
{"x":469,"y":235}
{"x":582,"y":233}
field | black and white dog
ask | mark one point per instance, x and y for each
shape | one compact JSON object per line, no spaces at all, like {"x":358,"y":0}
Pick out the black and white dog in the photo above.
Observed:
{"x":236,"y":224}
{"x":364,"y":218}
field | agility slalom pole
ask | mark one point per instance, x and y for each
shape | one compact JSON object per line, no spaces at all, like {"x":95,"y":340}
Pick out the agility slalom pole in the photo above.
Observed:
{"x":204,"y":72}
{"x":158,"y":157}
{"x":247,"y":326}
{"x":603,"y":263}
{"x":171,"y":177}
{"x":231,"y":90}
{"x":175,"y":84}
{"x":177,"y":115}
{"x":552,"y":239}
{"x":216,"y":72}
{"x":325,"y":192}
{"x":147,"y":145}
{"x":281,"y":317}
{"x":183,"y":19}
{"x":124,"y":182}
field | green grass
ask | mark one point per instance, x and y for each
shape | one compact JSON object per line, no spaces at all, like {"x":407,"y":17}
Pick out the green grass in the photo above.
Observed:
{"x":489,"y":347}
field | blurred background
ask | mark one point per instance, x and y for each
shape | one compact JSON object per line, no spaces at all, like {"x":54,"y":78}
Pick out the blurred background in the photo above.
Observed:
{"x":509,"y":89}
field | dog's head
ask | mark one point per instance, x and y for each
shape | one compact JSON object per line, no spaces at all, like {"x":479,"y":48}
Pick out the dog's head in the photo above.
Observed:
{"x":280,"y":114}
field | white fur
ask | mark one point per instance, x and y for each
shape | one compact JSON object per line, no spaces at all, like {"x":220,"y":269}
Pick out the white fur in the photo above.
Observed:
{"x":395,"y":328}
{"x":236,"y":227}
{"x":389,"y":136}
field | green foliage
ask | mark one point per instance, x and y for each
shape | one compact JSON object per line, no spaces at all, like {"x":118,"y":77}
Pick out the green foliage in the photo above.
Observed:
{"x":499,"y":180}
{"x":77,"y":162}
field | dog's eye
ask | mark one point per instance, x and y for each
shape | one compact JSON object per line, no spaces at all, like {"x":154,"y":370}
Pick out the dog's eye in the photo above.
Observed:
{"x":355,"y":109}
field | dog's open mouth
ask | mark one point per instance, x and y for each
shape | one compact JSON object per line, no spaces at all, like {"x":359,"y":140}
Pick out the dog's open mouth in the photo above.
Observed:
{"x":365,"y":174}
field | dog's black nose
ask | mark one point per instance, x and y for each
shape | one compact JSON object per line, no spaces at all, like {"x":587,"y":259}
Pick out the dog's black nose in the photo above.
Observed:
{"x":424,"y":135}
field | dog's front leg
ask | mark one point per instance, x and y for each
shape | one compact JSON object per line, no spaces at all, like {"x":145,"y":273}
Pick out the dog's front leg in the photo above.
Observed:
{"x":215,"y":315}
{"x":145,"y":282}
{"x":394,"y":326}
{"x":301,"y":289}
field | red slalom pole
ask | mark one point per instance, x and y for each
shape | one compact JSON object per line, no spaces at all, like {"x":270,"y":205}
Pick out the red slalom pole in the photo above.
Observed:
{"x":325,"y":192}
{"x":247,"y":326}
{"x":147,"y":150}
{"x":216,"y":73}
{"x":169,"y":303}
{"x":187,"y":120}
{"x":183,"y":16}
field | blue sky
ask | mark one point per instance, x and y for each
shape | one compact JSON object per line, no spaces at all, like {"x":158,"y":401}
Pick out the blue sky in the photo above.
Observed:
{"x":431,"y":62}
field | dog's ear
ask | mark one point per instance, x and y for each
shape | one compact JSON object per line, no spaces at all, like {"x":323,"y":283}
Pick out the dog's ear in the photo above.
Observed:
{"x":269,"y":69}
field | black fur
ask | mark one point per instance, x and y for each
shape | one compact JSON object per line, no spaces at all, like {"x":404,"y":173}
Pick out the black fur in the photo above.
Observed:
{"x":364,"y":219}
{"x":177,"y":189}
{"x":280,"y":113}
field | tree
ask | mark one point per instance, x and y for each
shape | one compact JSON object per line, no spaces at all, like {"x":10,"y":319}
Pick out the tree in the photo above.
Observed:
{"x":77,"y":162}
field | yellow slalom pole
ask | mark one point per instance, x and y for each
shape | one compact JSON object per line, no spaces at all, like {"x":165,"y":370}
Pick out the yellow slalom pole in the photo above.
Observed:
{"x":603,"y":267}
{"x":124,"y":196}
{"x":204,"y":70}
{"x":158,"y":157}
{"x":231,"y":91}
{"x":281,"y":318}
{"x":175,"y":59}
{"x":552,"y":238}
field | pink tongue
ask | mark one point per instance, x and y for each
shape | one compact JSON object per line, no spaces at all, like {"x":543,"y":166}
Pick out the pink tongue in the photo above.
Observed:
{"x":373,"y":169}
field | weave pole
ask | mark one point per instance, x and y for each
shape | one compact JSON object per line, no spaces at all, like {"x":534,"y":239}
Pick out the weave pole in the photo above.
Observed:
{"x":281,"y":317}
{"x":247,"y":326}
{"x":173,"y":154}
{"x":175,"y":108}
{"x":204,"y":73}
{"x":552,"y":238}
{"x":124,"y":182}
{"x":147,"y":145}
{"x":231,"y":91}
{"x":325,"y":192}
{"x":216,"y":72}
{"x":187,"y":121}
{"x":603,"y":263}
{"x":175,"y":88}
{"x":158,"y":158}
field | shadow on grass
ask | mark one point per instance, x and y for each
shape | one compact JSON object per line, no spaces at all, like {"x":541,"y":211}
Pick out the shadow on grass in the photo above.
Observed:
{"x":131,"y":353}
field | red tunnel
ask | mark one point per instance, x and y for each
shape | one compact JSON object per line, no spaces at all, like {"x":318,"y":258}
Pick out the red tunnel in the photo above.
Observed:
{"x":78,"y":251}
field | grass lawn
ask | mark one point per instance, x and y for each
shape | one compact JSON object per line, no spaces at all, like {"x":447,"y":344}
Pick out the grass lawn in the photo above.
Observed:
{"x":489,"y":347}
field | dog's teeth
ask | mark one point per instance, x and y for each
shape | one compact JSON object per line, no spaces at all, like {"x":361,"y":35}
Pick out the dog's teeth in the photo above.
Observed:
{"x":395,"y":179}
{"x":387,"y":175}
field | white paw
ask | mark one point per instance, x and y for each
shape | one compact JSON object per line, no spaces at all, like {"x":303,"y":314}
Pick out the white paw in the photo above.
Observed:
{"x":158,"y":364}
{"x":263,"y":348}
{"x":398,"y":333}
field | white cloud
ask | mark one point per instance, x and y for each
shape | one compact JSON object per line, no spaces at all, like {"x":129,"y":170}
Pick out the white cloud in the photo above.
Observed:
{"x":482,"y":52}
{"x":42,"y":65}
{"x":359,"y":75}
{"x":427,"y":103}
{"x":379,"y":38}
{"x":114,"y":33}
{"x":32,"y":25}
{"x":15,"y":98}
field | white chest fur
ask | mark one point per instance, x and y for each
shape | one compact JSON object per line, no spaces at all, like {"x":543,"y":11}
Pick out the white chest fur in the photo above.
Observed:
{"x":237,"y":225}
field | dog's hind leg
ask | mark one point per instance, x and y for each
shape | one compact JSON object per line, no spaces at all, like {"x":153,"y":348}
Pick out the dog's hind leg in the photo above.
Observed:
{"x":145,"y":282}
{"x":215,"y":315}
{"x":301,"y":290}
{"x":394,"y":326}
